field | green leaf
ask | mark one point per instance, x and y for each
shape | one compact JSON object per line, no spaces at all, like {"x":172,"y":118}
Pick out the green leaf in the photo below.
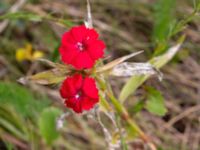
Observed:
{"x":132,"y":84}
{"x":138,"y":106}
{"x":22,"y":15}
{"x":155,"y":102}
{"x":21,"y":99}
{"x":158,"y":62}
{"x":47,"y":124}
{"x":163,"y":17}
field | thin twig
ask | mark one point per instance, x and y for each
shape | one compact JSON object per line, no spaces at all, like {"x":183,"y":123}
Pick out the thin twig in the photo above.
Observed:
{"x":14,"y":141}
{"x":182,"y":115}
{"x":60,"y":120}
{"x":107,"y":134}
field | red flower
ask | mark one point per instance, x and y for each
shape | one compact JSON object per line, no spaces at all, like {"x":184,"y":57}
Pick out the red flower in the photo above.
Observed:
{"x":81,"y":47}
{"x":79,"y":93}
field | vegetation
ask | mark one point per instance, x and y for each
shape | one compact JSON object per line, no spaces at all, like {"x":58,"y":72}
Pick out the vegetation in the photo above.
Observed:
{"x":155,"y":108}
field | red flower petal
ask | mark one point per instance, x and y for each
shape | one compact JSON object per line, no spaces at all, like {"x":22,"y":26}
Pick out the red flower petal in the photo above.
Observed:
{"x":91,"y":35}
{"x":79,"y":33}
{"x":67,"y":38}
{"x":96,"y":49}
{"x":88,"y":103}
{"x":68,"y":88}
{"x":74,"y":104}
{"x":67,"y":54}
{"x":83,"y":60}
{"x":78,"y":81}
{"x":89,"y":88}
{"x":70,"y":102}
{"x":78,"y":106}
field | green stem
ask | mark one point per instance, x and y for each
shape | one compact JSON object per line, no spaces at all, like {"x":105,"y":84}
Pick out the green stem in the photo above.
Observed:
{"x":121,"y":110}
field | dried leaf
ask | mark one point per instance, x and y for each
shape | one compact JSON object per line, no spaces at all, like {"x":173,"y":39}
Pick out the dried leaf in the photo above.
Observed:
{"x":129,"y":69}
{"x":48,"y":77}
{"x":49,"y":63}
{"x":52,"y":76}
{"x":116,"y":62}
{"x":54,"y":65}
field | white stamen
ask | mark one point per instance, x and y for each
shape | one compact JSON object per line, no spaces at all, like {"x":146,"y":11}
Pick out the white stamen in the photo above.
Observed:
{"x":80,"y":46}
{"x":77,"y":96}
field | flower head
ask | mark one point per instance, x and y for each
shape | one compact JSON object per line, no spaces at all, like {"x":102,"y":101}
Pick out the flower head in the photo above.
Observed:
{"x":81,"y":47}
{"x":27,"y":53}
{"x":79,"y":93}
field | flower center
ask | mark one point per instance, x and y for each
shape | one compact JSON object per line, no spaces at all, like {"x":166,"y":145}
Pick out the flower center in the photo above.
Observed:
{"x":78,"y":95}
{"x":80,"y":46}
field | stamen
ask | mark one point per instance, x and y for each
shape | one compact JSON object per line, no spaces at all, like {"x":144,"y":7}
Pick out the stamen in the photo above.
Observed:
{"x":77,"y":96}
{"x":80,"y":46}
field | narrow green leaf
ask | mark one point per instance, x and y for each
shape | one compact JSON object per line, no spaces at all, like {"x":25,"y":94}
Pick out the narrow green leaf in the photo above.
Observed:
{"x":11,"y":122}
{"x":11,"y":128}
{"x":180,"y":25}
{"x":9,"y":114}
{"x":131,"y":85}
{"x":155,"y":102}
{"x":22,"y":15}
{"x":163,"y":17}
{"x":47,"y":124}
{"x":36,"y":18}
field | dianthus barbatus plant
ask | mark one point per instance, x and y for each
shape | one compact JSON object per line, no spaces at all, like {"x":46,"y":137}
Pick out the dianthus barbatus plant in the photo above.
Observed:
{"x":84,"y":85}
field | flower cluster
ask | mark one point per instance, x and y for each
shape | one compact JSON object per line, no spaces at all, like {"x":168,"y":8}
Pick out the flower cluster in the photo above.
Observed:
{"x":80,"y":48}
